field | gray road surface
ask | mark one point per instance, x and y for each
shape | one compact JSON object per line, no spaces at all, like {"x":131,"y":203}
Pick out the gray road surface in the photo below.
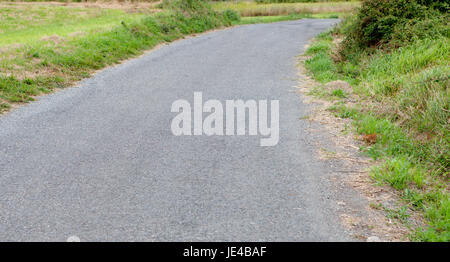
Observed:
{"x":99,"y":160}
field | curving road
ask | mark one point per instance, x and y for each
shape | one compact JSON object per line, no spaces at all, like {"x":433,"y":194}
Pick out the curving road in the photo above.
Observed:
{"x":99,"y":161}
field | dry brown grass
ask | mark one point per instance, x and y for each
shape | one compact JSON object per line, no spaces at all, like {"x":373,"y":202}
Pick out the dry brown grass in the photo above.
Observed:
{"x":364,"y":220}
{"x":253,"y":9}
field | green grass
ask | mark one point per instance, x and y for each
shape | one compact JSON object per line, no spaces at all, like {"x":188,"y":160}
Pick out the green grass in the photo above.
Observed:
{"x":321,"y":63}
{"x":26,"y":24}
{"x":38,"y":66}
{"x":295,"y":1}
{"x":338,"y":93}
{"x":404,"y":100}
{"x":400,"y":173}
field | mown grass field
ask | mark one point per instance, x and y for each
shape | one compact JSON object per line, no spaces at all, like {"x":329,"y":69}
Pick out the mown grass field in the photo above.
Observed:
{"x":404,"y":103}
{"x":28,"y":23}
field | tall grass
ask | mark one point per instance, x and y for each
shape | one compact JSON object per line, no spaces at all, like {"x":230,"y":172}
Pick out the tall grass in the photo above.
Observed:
{"x":246,"y":9}
{"x":299,"y":1}
{"x":405,"y":101}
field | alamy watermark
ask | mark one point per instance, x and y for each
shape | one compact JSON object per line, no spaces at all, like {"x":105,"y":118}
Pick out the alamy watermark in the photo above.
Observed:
{"x":237,"y":113}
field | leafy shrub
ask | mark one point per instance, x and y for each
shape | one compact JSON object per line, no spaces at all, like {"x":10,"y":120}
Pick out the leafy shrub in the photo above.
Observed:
{"x":378,"y":18}
{"x":394,"y":23}
{"x":231,"y":15}
{"x":441,"y":5}
{"x":412,"y":30}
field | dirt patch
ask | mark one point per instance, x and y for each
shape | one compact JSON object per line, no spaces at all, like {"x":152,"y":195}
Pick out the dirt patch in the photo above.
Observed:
{"x":53,"y":38}
{"x":339,"y":84}
{"x":367,"y":221}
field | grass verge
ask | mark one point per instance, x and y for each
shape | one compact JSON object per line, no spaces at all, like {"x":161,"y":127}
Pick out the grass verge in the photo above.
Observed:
{"x":33,"y":67}
{"x":403,"y":107}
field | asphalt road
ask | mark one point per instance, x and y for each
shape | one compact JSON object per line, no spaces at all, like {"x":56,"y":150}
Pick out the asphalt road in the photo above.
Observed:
{"x":99,"y":161}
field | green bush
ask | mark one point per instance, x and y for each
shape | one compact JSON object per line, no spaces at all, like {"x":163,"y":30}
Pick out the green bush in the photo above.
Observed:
{"x":231,"y":15}
{"x":441,"y":5}
{"x":394,"y":23}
